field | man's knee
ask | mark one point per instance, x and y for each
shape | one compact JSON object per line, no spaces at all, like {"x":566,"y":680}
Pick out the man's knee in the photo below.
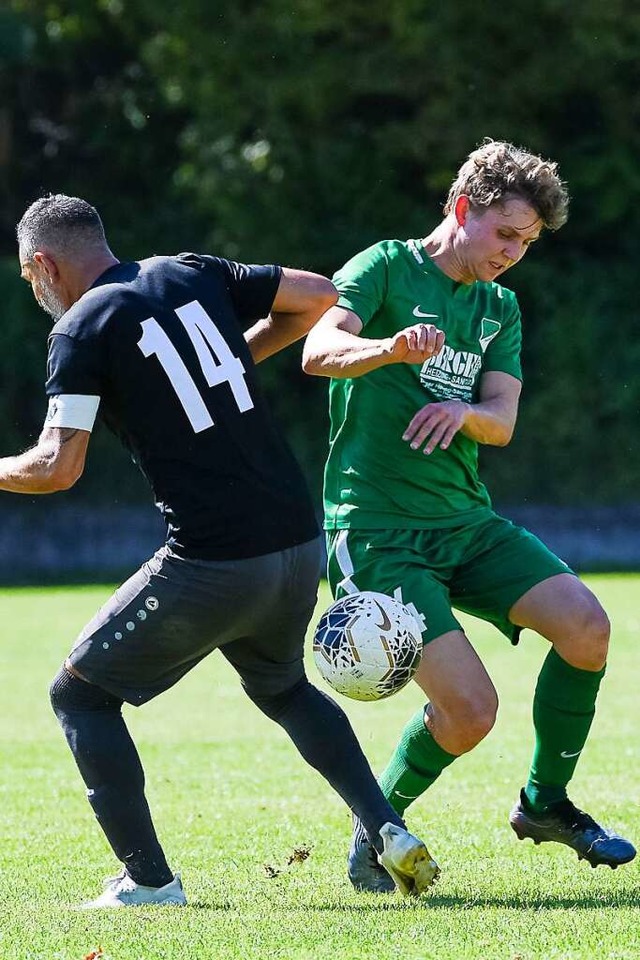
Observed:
{"x":69,"y":694}
{"x":274,"y":702}
{"x":587,"y":644}
{"x":464,"y":723}
{"x":477,"y":720}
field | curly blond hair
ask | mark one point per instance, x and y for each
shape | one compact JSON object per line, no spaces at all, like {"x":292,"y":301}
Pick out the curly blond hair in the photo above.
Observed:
{"x":497,"y":171}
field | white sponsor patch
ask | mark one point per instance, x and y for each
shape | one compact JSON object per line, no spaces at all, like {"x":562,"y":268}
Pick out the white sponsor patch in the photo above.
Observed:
{"x":451,"y":374}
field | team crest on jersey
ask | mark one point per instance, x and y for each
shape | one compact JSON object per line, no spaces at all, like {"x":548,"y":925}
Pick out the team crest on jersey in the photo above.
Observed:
{"x":488,"y":330}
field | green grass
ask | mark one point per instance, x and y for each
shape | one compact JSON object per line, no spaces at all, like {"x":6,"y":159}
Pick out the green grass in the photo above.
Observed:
{"x":232,"y":803}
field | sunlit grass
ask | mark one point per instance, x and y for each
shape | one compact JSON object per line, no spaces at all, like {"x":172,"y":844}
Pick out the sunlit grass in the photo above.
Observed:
{"x":233,"y":802}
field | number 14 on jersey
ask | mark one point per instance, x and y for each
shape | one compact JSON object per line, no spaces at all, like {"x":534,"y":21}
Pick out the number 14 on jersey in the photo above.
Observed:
{"x":218,"y":363}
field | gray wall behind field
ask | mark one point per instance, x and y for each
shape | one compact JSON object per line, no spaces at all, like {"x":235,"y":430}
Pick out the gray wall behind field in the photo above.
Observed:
{"x":43,"y":540}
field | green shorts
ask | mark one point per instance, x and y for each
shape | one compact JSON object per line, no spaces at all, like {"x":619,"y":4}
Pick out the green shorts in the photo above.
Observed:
{"x":481,"y":568}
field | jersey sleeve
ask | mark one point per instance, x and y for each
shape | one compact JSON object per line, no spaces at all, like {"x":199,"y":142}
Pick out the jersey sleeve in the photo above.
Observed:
{"x":252,"y":287}
{"x":362,"y":282}
{"x":503,"y":351}
{"x":73,"y":366}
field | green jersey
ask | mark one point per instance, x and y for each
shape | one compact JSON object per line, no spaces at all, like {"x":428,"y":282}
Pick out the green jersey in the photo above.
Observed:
{"x":373,"y":479}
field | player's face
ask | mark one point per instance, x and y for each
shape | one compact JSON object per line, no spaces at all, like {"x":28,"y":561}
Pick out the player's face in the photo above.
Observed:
{"x":494,"y":238}
{"x":42,"y":287}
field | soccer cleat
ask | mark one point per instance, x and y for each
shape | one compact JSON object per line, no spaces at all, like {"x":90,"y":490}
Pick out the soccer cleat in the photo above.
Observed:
{"x":407,"y":860}
{"x":123,"y":891}
{"x":365,"y":872}
{"x":564,"y":823}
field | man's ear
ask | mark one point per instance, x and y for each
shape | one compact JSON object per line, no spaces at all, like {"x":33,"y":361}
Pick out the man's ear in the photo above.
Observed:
{"x":461,"y":209}
{"x":47,"y":263}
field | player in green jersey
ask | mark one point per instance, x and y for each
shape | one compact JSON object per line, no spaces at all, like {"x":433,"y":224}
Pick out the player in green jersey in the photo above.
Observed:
{"x":423,"y":351}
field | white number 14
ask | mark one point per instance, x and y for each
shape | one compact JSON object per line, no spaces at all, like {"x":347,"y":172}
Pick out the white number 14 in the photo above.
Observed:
{"x":216,"y":359}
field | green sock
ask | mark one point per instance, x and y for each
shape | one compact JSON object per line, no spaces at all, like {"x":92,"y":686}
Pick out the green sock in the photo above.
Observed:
{"x":563,"y":708}
{"x":416,"y":762}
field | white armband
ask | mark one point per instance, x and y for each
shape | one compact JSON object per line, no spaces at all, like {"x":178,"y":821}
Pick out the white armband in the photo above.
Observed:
{"x":73,"y":410}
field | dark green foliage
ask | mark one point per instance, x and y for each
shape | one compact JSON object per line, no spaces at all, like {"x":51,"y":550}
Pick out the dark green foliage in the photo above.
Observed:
{"x":302,"y":132}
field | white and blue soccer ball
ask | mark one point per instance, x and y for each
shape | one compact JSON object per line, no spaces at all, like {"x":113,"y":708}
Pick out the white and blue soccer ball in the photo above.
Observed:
{"x":367,"y":645}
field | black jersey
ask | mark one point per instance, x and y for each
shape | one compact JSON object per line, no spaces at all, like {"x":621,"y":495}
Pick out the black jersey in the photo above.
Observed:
{"x":161,"y":343}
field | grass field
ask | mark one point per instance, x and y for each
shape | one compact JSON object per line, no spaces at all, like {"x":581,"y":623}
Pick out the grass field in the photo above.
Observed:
{"x":233,"y":804}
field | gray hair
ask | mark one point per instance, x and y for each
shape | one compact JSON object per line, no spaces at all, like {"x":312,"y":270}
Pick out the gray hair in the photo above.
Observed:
{"x":497,"y":171}
{"x":67,"y":226}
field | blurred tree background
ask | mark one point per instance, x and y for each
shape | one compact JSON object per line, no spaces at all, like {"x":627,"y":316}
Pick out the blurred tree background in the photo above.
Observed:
{"x":299,"y":131}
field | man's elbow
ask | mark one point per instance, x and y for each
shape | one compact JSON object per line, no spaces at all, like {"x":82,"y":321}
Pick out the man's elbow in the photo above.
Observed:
{"x":326,"y":293}
{"x":62,"y":477}
{"x":322,"y":297}
{"x":310,"y":362}
{"x":494,"y":434}
{"x":504,"y":436}
{"x":314,"y":355}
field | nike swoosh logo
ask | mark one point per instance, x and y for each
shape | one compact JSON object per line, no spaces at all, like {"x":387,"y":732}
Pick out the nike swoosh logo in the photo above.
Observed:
{"x":405,"y":795}
{"x":417,"y":312}
{"x":386,"y":623}
{"x":568,"y":756}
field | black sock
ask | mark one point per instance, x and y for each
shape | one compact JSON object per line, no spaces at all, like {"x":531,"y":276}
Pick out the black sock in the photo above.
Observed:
{"x":323,"y":735}
{"x":110,"y":766}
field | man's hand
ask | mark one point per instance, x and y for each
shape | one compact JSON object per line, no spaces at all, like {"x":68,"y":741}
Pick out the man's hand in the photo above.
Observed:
{"x":436,"y":425}
{"x":334,"y":347}
{"x":416,"y":344}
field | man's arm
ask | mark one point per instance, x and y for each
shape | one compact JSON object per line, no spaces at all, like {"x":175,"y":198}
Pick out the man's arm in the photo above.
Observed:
{"x":300,"y":300}
{"x":55,"y":463}
{"x":492,"y":420}
{"x":334,"y":348}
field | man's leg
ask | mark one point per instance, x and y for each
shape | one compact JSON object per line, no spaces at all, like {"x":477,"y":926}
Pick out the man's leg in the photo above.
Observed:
{"x":325,"y":739}
{"x":567,"y":614}
{"x":415,"y":567}
{"x":110,"y":766}
{"x":460,"y":713}
{"x":321,"y":732}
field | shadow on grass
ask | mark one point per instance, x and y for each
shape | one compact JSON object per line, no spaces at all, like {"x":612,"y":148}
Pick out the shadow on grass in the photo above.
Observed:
{"x":373,"y":904}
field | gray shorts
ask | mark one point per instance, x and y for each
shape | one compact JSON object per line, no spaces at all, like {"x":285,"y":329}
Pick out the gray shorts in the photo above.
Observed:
{"x":174,"y":611}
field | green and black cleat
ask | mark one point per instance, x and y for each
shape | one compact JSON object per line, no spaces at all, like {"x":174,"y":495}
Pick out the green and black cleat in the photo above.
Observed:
{"x":564,"y":823}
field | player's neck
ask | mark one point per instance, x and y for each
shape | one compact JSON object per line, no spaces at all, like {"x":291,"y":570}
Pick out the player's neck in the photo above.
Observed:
{"x":95,"y":268}
{"x":440,"y":248}
{"x":90,"y":270}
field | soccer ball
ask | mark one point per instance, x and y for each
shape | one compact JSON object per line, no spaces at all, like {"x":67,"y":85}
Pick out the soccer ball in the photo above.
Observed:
{"x":367,"y":645}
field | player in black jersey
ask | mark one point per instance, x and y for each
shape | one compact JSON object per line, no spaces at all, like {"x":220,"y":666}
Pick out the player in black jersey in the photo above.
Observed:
{"x":156,"y":349}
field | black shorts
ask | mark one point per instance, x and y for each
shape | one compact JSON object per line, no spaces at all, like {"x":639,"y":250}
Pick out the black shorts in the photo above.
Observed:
{"x":175,"y":611}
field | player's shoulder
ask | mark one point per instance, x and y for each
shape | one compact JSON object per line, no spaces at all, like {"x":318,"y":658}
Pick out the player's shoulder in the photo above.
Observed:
{"x":389,"y":249}
{"x":87,"y":317}
{"x":200,"y":262}
{"x":117,"y":289}
{"x":379,"y":255}
{"x":503,"y":298}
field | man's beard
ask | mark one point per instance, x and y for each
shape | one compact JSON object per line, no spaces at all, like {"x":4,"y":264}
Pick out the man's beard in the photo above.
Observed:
{"x":51,"y":303}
